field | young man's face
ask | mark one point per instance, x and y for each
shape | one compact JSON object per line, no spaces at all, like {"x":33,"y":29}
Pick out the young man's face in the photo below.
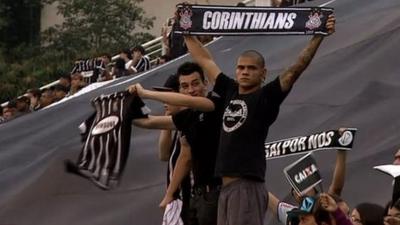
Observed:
{"x":355,"y":217}
{"x":46,"y":98}
{"x":8,"y":113}
{"x":397,"y":158}
{"x":249,"y":72}
{"x":105,"y":60}
{"x":76,"y":80}
{"x":136,"y":54}
{"x":394,"y":212}
{"x":192,"y":85}
{"x":64,"y":82}
{"x":58,"y":94}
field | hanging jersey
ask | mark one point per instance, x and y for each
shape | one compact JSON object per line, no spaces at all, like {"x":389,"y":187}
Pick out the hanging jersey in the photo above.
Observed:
{"x":107,"y":134}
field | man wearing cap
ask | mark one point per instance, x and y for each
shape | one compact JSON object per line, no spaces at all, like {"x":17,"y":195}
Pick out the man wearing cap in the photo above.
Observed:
{"x":320,"y":210}
{"x":200,"y":124}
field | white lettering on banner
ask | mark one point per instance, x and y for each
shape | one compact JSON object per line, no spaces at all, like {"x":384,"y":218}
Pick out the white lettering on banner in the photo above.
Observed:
{"x":320,"y":140}
{"x":225,"y":20}
{"x":305,"y":173}
{"x":206,"y":20}
{"x":247,"y":20}
{"x":215,"y":20}
{"x":290,"y":20}
{"x":280,"y":148}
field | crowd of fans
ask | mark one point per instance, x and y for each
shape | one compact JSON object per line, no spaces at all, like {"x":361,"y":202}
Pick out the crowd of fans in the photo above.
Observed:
{"x":130,"y":61}
{"x":312,"y":209}
{"x":84,"y":72}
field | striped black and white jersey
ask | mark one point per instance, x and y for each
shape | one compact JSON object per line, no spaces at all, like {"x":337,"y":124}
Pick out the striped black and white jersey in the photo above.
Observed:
{"x":143,"y":64}
{"x":95,"y":65}
{"x":87,"y":65}
{"x":107,"y":134}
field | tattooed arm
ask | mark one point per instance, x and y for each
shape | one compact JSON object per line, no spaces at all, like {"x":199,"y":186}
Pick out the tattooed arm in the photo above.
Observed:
{"x":289,"y":77}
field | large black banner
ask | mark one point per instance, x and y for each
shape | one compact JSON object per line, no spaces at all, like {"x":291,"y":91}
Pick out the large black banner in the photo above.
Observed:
{"x":231,"y":20}
{"x":332,"y":139}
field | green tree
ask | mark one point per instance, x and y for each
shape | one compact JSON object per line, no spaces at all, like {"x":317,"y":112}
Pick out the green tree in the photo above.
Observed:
{"x":97,"y":26}
{"x":89,"y":28}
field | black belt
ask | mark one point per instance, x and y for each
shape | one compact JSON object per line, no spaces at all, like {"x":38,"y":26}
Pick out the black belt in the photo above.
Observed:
{"x":202,"y":189}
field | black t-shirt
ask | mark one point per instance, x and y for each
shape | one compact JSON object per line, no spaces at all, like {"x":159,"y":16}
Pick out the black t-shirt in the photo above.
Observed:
{"x":107,"y":135}
{"x":201,"y":130}
{"x":245,"y":124}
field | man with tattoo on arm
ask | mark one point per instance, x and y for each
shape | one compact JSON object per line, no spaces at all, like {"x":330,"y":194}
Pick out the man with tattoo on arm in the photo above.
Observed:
{"x":249,"y":110}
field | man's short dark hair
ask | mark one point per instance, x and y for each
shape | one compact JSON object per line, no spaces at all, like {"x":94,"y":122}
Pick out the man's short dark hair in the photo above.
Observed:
{"x":23,"y":99}
{"x":36,"y":92}
{"x":241,"y":4}
{"x":139,"y":48}
{"x":67,"y":77}
{"x":12,"y":103}
{"x":60,"y":87}
{"x":120,"y":64}
{"x":189,"y":68}
{"x":127,"y":52}
{"x":254,"y":54}
{"x":107,"y":55}
{"x":370,"y":213}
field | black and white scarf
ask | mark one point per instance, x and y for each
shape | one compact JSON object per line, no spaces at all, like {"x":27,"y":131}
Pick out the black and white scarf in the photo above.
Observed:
{"x":231,"y":20}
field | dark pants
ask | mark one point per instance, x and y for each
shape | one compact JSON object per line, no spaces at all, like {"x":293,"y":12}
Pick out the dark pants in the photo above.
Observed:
{"x":204,"y":206}
{"x":242,"y":202}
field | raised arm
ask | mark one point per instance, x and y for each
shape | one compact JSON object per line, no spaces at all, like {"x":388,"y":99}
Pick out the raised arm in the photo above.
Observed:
{"x":194,"y":102}
{"x":155,"y":122}
{"x":203,"y":57}
{"x":182,"y":168}
{"x":164,"y":145}
{"x":165,"y":139}
{"x":289,"y":77}
{"x":339,"y":174}
{"x":273,"y":202}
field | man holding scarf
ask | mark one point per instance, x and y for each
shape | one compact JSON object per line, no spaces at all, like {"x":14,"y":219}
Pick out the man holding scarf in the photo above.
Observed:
{"x":250,"y":109}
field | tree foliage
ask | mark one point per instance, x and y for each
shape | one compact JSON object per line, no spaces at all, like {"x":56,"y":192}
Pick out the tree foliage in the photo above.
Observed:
{"x":97,"y":26}
{"x":90,"y":28}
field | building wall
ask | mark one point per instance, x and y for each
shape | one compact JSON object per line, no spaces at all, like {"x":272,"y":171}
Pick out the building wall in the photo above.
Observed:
{"x":49,"y":17}
{"x":161,"y":9}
